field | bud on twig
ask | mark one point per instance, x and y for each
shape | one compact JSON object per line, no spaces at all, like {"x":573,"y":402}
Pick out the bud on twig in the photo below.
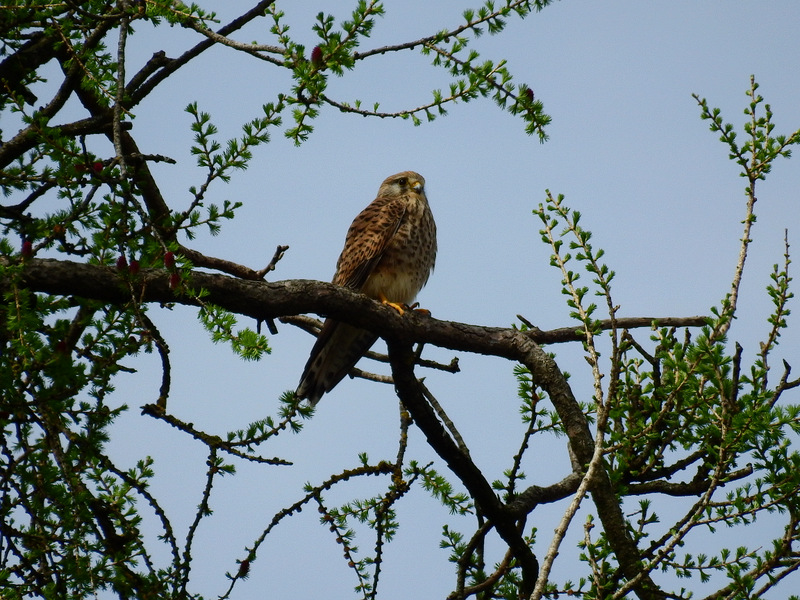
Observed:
{"x":169,"y":260}
{"x":316,"y":57}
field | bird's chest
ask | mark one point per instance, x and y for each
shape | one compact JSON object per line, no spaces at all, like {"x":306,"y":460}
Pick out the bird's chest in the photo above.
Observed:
{"x":407,"y":260}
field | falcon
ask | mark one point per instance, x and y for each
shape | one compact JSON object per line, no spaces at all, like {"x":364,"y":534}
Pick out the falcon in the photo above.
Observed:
{"x":388,"y":254}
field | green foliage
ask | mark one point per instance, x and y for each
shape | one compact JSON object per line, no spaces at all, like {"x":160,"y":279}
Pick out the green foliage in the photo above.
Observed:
{"x":551,"y":215}
{"x":688,"y":417}
{"x":221,"y":324}
{"x":377,"y":513}
{"x":760,"y":150}
{"x":440,"y":488}
{"x":337,"y":52}
{"x":64,"y":502}
{"x":260,"y":431}
{"x":539,"y":419}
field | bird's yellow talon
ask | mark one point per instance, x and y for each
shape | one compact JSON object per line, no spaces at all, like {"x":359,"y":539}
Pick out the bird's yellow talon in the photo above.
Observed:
{"x":399,"y":308}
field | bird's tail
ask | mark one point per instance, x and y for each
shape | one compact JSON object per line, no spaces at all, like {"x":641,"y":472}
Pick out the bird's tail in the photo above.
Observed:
{"x":337,"y":350}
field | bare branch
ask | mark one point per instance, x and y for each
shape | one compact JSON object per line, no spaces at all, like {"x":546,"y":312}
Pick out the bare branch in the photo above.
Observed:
{"x":256,"y":50}
{"x":176,"y":63}
{"x":262,"y":300}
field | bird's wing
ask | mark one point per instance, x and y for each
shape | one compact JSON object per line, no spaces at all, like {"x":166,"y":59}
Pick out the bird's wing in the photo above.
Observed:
{"x":369,"y":235}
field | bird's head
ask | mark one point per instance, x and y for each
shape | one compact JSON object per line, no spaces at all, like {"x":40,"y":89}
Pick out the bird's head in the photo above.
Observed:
{"x":402,"y":183}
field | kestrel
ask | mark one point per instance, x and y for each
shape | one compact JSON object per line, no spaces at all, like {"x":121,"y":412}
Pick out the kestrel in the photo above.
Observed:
{"x":388,"y":254}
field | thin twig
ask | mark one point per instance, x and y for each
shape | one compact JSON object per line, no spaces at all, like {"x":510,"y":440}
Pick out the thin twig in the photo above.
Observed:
{"x":444,"y":418}
{"x":279,"y":252}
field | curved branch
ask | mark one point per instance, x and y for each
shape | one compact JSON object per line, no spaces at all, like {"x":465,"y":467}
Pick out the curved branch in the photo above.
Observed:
{"x":524,"y":502}
{"x":255,"y":50}
{"x":472,"y":23}
{"x":262,"y":300}
{"x":174,"y":64}
{"x":695,"y":487}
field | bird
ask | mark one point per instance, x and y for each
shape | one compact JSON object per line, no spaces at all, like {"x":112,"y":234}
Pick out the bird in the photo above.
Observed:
{"x":389,"y":253}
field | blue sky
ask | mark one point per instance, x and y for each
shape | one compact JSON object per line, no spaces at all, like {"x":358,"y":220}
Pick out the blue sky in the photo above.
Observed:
{"x":626,"y":147}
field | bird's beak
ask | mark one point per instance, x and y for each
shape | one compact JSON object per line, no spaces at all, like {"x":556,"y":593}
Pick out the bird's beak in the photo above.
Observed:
{"x":416,"y":186}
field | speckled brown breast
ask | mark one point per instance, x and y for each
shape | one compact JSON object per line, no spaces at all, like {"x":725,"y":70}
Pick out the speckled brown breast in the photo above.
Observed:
{"x":409,"y":258}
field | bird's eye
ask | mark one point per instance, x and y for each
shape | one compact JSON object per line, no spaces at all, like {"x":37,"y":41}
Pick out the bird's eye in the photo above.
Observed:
{"x":402,"y":180}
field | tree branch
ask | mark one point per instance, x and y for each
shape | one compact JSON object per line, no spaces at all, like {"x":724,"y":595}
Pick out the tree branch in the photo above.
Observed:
{"x":412,"y":395}
{"x":174,"y":64}
{"x":263,"y":300}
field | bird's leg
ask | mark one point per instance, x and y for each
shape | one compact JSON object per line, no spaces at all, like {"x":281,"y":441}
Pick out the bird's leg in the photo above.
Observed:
{"x":394,"y":305}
